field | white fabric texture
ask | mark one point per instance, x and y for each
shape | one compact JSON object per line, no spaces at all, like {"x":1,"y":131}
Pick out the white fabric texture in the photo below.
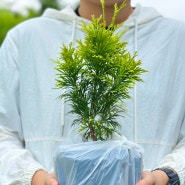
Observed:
{"x":31,"y":123}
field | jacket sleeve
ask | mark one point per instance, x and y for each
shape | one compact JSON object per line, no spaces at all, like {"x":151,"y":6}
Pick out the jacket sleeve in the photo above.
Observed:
{"x":176,"y":159}
{"x":17,"y":165}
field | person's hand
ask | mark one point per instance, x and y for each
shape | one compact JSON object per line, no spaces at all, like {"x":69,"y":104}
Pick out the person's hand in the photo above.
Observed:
{"x":156,"y":177}
{"x":43,"y":178}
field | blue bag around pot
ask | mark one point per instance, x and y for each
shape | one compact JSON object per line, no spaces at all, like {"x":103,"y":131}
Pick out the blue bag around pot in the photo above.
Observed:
{"x":99,"y":163}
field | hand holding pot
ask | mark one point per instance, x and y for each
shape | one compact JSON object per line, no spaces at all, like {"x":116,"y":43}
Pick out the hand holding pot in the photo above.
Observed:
{"x":156,"y":177}
{"x":41,"y":177}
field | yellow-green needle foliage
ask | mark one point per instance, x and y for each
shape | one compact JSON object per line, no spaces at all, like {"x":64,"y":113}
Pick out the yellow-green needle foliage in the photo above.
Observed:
{"x":95,"y":78}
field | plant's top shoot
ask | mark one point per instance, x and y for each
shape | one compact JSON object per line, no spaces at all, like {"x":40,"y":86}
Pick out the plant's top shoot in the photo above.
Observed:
{"x":96,"y":76}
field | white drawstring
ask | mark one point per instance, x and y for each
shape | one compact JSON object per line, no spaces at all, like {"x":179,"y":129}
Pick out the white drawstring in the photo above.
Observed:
{"x":135,"y":87}
{"x":63,"y":101}
{"x":73,"y":32}
{"x":62,"y":116}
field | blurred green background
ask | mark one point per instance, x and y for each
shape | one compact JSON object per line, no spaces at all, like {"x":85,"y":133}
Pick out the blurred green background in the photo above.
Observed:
{"x":9,"y":18}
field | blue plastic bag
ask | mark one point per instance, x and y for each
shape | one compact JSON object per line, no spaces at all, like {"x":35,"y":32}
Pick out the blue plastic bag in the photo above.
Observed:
{"x":99,"y":163}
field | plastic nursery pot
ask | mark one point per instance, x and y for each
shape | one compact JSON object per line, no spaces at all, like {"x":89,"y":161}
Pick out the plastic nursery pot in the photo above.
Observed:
{"x":98,"y":163}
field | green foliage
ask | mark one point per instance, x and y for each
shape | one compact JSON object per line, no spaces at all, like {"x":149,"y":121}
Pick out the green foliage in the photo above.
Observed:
{"x":9,"y":19}
{"x":48,"y":3}
{"x":95,"y":78}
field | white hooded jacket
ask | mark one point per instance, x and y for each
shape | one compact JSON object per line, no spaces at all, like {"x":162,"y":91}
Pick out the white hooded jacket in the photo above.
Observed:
{"x":33,"y":122}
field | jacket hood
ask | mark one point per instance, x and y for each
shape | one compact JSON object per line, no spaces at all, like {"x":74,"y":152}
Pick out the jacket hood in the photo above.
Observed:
{"x":141,"y":15}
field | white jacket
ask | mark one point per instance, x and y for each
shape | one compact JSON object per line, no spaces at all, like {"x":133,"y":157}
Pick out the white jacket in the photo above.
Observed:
{"x":34,"y":122}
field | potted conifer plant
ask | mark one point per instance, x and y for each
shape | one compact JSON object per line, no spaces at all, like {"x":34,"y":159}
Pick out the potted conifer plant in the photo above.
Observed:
{"x":95,"y":77}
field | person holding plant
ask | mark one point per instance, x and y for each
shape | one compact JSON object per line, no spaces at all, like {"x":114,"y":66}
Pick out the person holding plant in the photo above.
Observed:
{"x":33,"y":123}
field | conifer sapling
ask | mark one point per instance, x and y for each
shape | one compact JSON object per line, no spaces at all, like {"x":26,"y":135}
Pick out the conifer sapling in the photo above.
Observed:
{"x":95,"y":76}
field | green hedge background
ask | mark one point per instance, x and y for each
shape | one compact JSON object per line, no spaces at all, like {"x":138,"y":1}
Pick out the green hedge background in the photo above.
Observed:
{"x":10,"y":19}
